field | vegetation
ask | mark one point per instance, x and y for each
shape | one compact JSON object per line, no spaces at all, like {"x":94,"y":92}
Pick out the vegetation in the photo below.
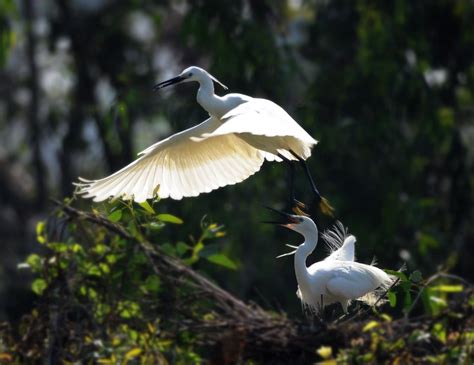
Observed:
{"x":111,"y":292}
{"x":386,"y":87}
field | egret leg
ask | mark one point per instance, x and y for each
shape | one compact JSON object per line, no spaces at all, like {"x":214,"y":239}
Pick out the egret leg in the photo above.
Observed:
{"x":324,"y":204}
{"x":295,"y":205}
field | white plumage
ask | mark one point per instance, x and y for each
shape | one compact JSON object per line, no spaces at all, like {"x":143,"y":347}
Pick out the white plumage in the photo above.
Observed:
{"x":227,"y":148}
{"x":338,"y":278}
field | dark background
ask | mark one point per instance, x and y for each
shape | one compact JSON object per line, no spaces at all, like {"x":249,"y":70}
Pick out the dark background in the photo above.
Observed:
{"x":386,"y":87}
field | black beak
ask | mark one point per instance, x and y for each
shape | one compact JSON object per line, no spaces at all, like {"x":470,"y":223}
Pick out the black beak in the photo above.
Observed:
{"x":169,"y":82}
{"x":288,"y":217}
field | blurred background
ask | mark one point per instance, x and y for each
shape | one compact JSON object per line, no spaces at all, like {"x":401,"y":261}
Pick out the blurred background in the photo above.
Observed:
{"x":386,"y":87}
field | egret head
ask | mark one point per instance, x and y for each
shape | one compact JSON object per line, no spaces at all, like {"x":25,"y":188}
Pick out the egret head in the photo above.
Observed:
{"x":297,"y":223}
{"x":301,"y":224}
{"x":192,"y":73}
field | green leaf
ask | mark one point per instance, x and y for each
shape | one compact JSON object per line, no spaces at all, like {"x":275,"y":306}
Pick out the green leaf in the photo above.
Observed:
{"x":115,"y":216}
{"x":104,"y":267}
{"x":168,"y":249}
{"x":145,"y":205}
{"x":132,"y":353}
{"x":182,"y":248}
{"x":111,"y":259}
{"x":153,"y":283}
{"x":221,"y":259}
{"x":94,"y":271}
{"x":398,"y":274}
{"x":100,"y":249}
{"x":407,"y":300}
{"x":154,"y":226}
{"x":370,"y":325}
{"x":35,"y":262}
{"x":416,"y":276}
{"x":169,"y":218}
{"x":448,"y":288}
{"x":40,"y":232}
{"x":392,"y":298}
{"x":38,"y":286}
{"x":128,"y":309}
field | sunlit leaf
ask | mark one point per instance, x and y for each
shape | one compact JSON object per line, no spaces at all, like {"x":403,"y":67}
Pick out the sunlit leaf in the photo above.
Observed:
{"x":221,"y":259}
{"x":392,"y":298}
{"x":39,"y":286}
{"x":448,"y":288}
{"x":325,"y":352}
{"x":115,"y":216}
{"x":145,"y":205}
{"x":133,"y":353}
{"x":370,"y":325}
{"x":94,"y":270}
{"x":35,"y":262}
{"x":40,"y":232}
{"x":169,"y":218}
{"x":154,"y":226}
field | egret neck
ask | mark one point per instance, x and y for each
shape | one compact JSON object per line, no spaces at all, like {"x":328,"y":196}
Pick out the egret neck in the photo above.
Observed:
{"x":210,"y":102}
{"x":302,"y":252}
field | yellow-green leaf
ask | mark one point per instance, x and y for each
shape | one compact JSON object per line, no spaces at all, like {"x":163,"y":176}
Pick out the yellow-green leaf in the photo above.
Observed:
{"x":35,"y":262}
{"x":133,"y":353}
{"x":325,"y":352}
{"x":370,"y":325}
{"x":392,"y":298}
{"x":222,"y":260}
{"x":448,"y":288}
{"x":38,"y":286}
{"x":169,"y":218}
{"x":145,"y":205}
{"x":115,"y":216}
{"x":40,"y":230}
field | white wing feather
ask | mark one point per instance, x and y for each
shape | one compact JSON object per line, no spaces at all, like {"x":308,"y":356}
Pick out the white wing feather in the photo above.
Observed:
{"x":356,"y":280}
{"x":341,"y":245}
{"x":267,"y":127}
{"x":180,"y":166}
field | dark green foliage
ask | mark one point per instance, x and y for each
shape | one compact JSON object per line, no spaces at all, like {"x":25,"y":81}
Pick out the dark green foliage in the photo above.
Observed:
{"x":109,"y":303}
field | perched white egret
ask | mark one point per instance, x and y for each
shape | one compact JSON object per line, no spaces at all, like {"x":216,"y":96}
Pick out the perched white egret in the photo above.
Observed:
{"x":338,"y":278}
{"x":231,"y":145}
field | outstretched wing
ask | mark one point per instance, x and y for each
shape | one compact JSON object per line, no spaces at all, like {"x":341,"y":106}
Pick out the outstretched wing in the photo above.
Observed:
{"x":180,"y":166}
{"x":267,"y":127}
{"x":341,"y":245}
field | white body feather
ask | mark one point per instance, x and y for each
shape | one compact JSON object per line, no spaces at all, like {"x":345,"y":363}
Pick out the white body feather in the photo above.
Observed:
{"x":338,"y":278}
{"x":225,"y":149}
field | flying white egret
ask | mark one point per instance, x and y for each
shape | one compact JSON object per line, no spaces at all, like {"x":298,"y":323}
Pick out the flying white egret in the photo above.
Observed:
{"x":338,"y":278}
{"x":225,"y":149}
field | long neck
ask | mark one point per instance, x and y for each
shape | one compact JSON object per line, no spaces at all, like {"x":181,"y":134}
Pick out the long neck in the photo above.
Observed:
{"x":302,"y":252}
{"x":208,"y":100}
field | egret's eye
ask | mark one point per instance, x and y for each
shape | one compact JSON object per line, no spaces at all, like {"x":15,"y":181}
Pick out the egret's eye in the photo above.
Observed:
{"x":301,"y":220}
{"x":190,"y":74}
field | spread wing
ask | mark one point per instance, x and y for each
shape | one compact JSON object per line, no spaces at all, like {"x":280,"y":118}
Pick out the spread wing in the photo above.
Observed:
{"x":267,"y":127}
{"x":341,"y":245}
{"x":180,"y":166}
